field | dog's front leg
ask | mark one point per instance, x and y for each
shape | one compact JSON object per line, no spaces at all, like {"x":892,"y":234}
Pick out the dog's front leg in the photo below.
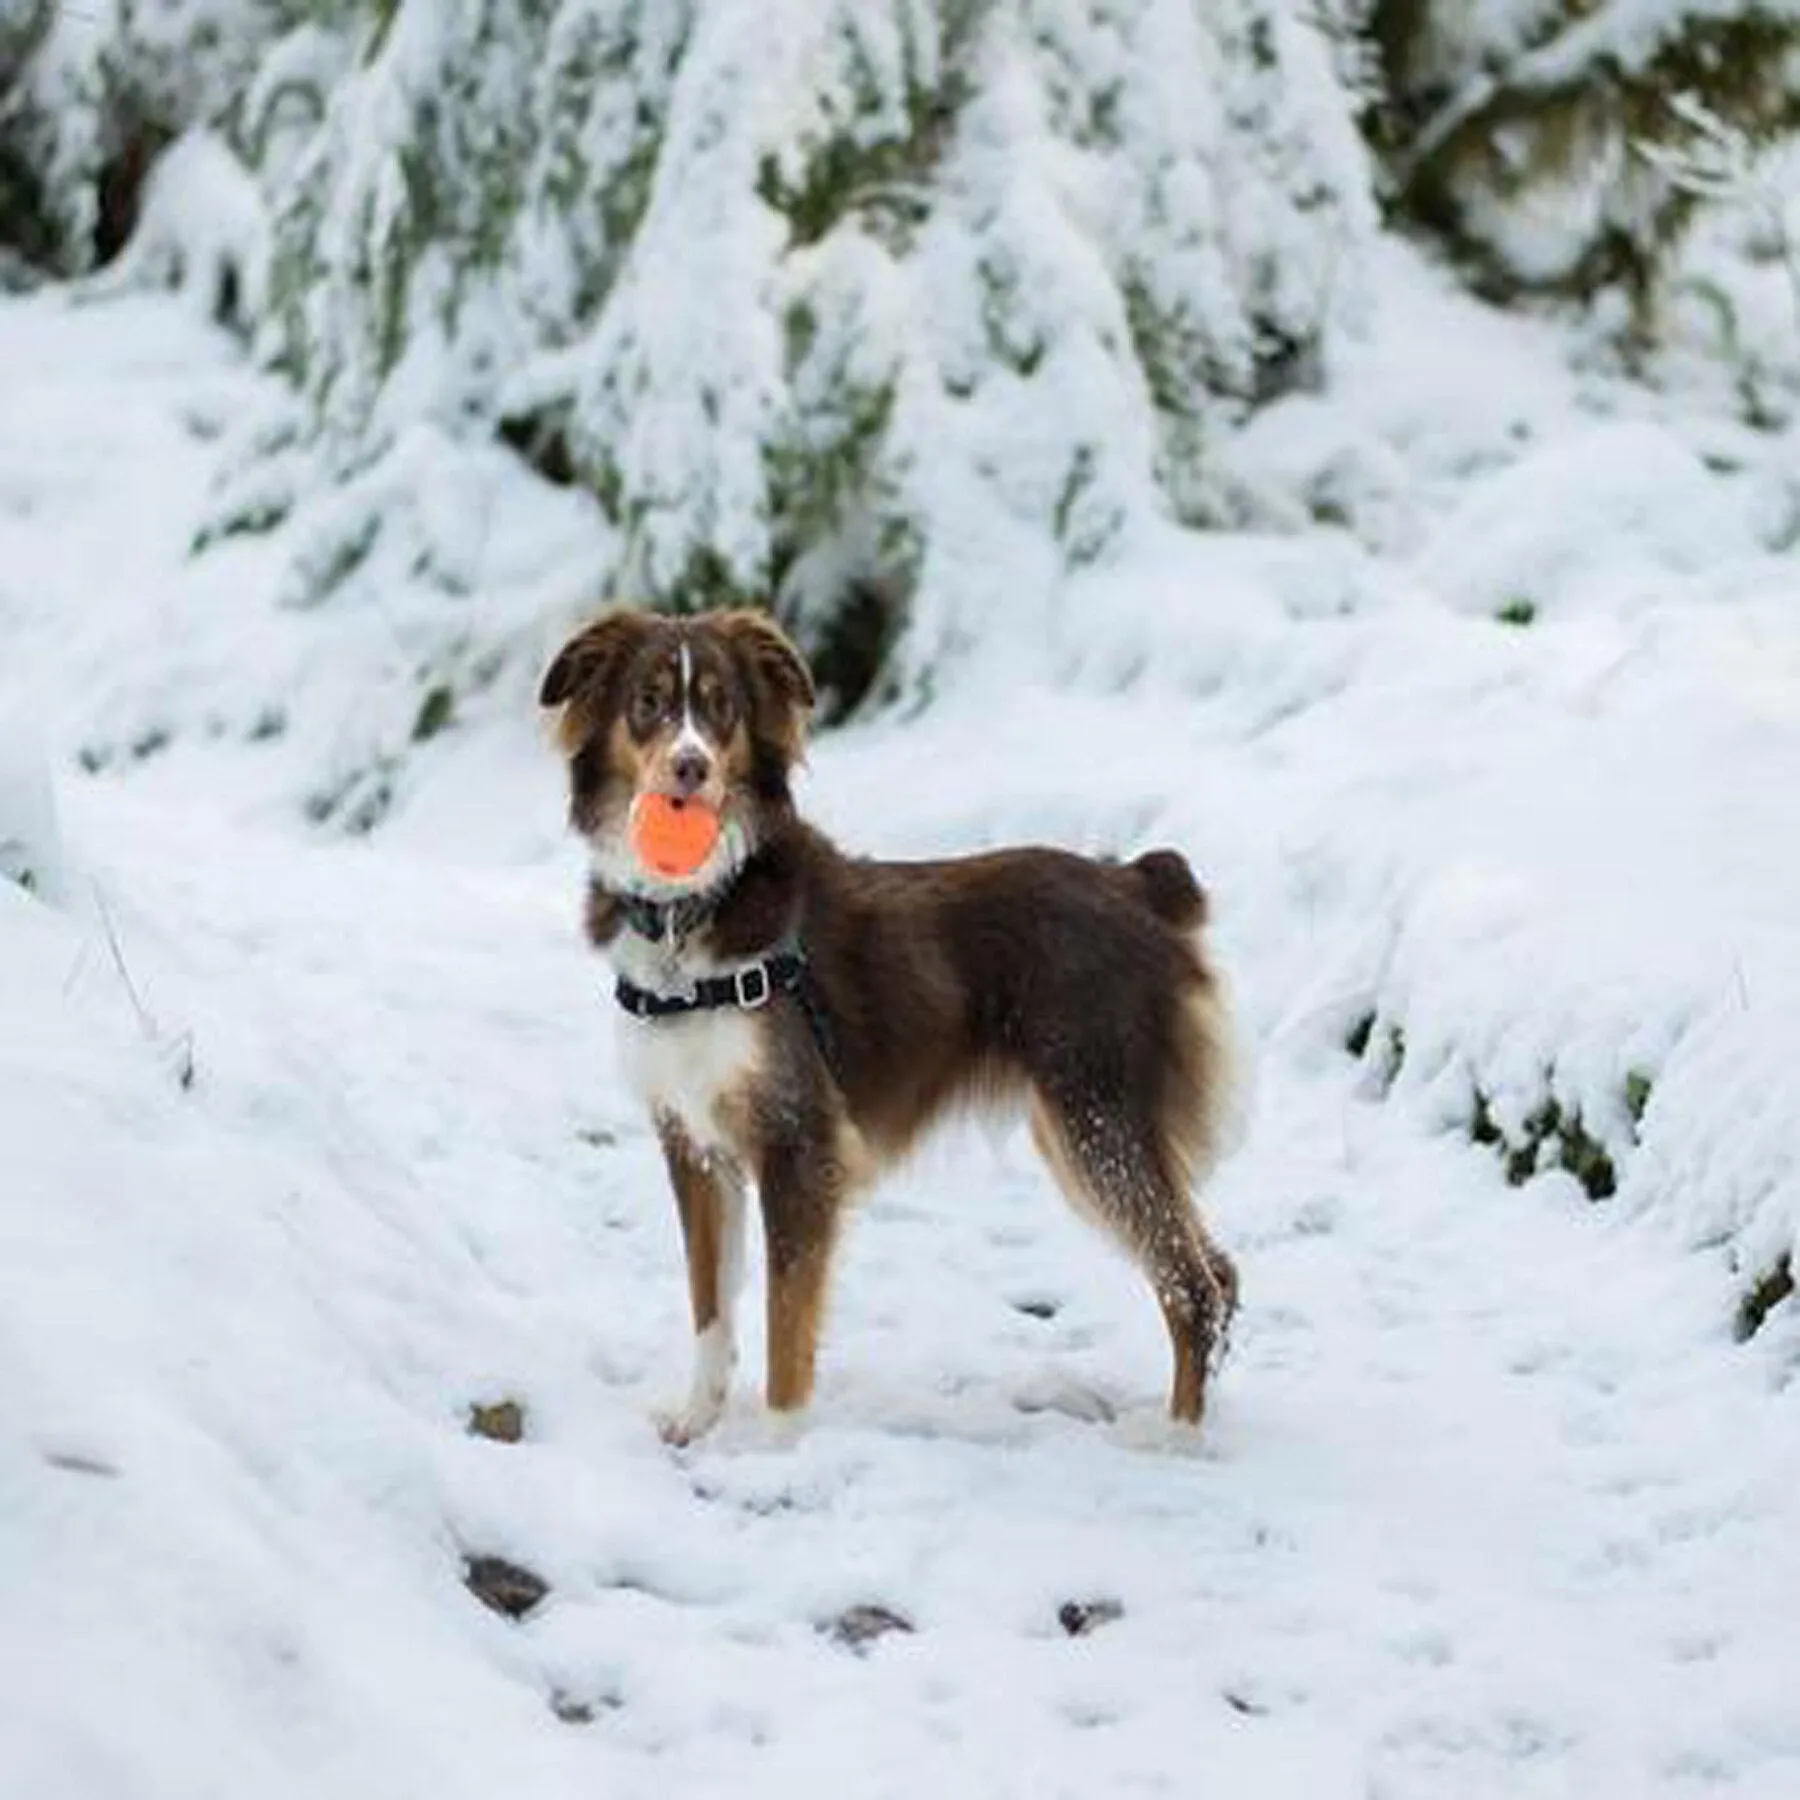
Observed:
{"x":803,"y":1188}
{"x":709,"y":1194}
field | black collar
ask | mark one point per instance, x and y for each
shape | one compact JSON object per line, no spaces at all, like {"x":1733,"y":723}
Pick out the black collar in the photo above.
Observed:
{"x":749,"y":989}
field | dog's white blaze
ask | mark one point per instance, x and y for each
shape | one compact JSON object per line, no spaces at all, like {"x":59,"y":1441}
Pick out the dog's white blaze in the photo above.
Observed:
{"x":690,"y":736}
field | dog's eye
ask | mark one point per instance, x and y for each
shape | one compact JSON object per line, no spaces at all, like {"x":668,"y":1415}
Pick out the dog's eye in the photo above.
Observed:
{"x":646,"y":709}
{"x":717,"y":707}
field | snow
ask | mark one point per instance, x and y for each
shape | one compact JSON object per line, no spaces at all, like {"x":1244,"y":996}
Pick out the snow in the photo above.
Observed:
{"x":312,"y":1141}
{"x":31,"y":854}
{"x":202,"y":230}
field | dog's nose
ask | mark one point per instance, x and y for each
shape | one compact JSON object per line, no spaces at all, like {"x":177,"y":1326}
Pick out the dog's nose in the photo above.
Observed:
{"x":690,"y":770}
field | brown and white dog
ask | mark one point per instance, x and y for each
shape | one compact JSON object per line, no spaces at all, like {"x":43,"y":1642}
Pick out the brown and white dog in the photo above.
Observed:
{"x":794,"y":1018}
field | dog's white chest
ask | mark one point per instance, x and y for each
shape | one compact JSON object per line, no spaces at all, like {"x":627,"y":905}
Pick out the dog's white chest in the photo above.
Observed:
{"x":689,"y":1067}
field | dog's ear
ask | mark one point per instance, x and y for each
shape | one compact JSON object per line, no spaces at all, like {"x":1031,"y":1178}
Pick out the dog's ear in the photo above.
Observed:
{"x":777,"y":673}
{"x":593,"y":655}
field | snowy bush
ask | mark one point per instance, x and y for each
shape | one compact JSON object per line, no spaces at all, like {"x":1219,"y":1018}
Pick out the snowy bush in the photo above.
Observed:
{"x":887,"y":313}
{"x":919,"y":304}
{"x":1734,"y":289}
{"x":1514,"y":127}
{"x":90,"y":95}
{"x":201,"y":230}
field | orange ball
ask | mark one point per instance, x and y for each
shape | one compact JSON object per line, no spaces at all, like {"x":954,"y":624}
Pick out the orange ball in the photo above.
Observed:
{"x":672,"y":837}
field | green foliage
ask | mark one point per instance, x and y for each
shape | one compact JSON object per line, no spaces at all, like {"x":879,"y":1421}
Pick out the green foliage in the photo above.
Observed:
{"x":1466,"y":145}
{"x":1550,"y":1136}
{"x":867,"y":158}
{"x":437,"y":713}
{"x":358,"y":802}
{"x":1519,"y":613}
{"x":382,"y":14}
{"x":1770,"y":1289}
{"x":823,"y":465}
{"x":255,"y":516}
{"x":22,"y":29}
{"x":25,"y":224}
{"x":707,"y":581}
{"x":329,"y":560}
{"x":850,"y":649}
{"x":1085,"y":525}
{"x":1180,"y":372}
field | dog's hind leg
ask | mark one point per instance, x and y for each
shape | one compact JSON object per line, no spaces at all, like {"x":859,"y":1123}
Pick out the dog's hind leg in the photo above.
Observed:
{"x":709,"y":1195}
{"x":1198,"y":1294}
{"x":1110,"y":1162}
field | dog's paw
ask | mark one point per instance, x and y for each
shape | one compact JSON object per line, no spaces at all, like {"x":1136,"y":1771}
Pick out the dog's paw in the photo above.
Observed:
{"x":756,"y":1431}
{"x":683,"y":1425}
{"x":715,"y":1359}
{"x":1150,"y":1431}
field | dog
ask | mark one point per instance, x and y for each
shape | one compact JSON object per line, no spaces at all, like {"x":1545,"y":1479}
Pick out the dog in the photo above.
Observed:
{"x":795,"y":1018}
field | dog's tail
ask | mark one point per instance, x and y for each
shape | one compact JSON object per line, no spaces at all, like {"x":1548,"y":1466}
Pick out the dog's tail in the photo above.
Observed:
{"x":1165,"y":884}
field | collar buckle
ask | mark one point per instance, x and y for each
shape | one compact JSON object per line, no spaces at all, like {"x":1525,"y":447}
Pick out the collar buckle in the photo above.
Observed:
{"x":753,"y":987}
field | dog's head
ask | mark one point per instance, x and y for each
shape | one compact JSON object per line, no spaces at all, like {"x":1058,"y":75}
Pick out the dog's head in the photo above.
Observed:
{"x":711,"y":709}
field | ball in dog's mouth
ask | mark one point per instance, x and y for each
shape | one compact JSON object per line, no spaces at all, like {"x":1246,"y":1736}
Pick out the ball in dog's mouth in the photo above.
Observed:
{"x":672,"y":836}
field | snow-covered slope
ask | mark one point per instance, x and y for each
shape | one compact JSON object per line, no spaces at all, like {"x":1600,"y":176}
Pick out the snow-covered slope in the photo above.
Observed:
{"x":310,"y":1146}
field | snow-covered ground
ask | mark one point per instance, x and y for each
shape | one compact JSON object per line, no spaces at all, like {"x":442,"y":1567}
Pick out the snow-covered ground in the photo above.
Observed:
{"x":308,"y":1145}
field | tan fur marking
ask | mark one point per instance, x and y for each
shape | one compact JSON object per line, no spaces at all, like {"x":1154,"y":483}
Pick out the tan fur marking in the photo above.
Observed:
{"x":804,"y":1209}
{"x":1187,"y":1394}
{"x":796,"y":1308}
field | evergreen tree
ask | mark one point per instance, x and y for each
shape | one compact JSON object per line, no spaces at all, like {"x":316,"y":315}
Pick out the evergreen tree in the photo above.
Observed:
{"x":901,"y":302}
{"x":888,"y":313}
{"x":1516,"y":130}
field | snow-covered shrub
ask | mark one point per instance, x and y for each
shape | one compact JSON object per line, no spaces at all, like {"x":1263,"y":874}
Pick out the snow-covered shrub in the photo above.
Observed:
{"x":889,"y":313}
{"x":921,"y":304}
{"x":886,"y":311}
{"x":1733,"y":291}
{"x":201,"y":229}
{"x":1514,"y":127}
{"x":90,"y":95}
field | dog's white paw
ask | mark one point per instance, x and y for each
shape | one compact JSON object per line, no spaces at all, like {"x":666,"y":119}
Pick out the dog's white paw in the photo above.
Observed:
{"x":680,"y":1426}
{"x":715,"y":1357}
